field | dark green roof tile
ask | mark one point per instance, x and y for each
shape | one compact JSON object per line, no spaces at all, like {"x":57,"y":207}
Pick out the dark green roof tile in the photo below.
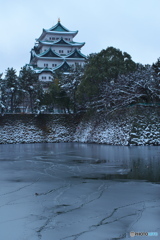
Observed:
{"x":59,"y":28}
{"x":76,"y":54}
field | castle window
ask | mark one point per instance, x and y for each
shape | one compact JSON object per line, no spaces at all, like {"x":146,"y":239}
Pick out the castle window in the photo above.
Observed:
{"x":45,"y":64}
{"x":60,"y":51}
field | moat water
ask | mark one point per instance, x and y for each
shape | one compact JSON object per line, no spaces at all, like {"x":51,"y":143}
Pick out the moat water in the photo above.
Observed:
{"x":78,"y":191}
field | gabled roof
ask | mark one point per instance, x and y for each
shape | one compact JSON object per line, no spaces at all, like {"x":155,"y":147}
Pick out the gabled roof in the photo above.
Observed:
{"x":45,"y":70}
{"x":64,"y":66}
{"x":62,"y":41}
{"x":76,"y":54}
{"x":38,"y":69}
{"x":41,"y":70}
{"x":57,"y":29}
{"x":49,"y":53}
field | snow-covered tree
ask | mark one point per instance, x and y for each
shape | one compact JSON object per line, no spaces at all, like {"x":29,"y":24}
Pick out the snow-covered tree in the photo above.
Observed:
{"x":56,"y":98}
{"x":156,"y":66}
{"x":11,"y":89}
{"x":30,"y":86}
{"x":2,"y":91}
{"x":62,"y":92}
{"x":69,"y":83}
{"x":101,"y":68}
{"x":141,"y":86}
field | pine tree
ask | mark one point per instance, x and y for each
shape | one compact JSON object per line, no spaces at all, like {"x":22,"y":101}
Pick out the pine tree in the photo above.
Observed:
{"x":102,"y":68}
{"x":11,"y":83}
{"x":30,"y":86}
{"x":2,"y":91}
{"x":70,"y":82}
{"x":156,"y":67}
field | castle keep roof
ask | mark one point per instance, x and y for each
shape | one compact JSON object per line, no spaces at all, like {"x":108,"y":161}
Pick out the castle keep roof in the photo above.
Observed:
{"x":55,"y":49}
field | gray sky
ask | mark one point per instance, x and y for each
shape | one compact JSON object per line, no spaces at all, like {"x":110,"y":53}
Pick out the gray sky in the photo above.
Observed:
{"x":130,"y":25}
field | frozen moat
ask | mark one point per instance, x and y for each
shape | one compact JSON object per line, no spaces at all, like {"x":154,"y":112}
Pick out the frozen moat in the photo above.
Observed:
{"x":72,"y":191}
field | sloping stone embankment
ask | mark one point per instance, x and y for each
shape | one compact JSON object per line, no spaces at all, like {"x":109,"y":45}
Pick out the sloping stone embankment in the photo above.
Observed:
{"x":129,"y":126}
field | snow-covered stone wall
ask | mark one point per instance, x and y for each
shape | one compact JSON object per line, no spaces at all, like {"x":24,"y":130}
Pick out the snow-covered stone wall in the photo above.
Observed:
{"x":129,"y":126}
{"x":28,"y":128}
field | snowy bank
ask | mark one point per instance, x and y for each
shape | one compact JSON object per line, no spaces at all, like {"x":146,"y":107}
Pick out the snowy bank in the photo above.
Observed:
{"x":136,"y":125}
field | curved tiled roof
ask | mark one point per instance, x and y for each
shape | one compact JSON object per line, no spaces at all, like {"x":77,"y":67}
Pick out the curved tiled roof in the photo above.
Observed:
{"x":49,"y":53}
{"x":46,"y":70}
{"x":76,"y":54}
{"x":62,"y":41}
{"x":57,"y":29}
{"x":63,"y":66}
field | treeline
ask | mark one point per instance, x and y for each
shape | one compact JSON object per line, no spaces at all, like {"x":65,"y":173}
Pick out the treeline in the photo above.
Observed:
{"x":20,"y":92}
{"x":109,"y":80}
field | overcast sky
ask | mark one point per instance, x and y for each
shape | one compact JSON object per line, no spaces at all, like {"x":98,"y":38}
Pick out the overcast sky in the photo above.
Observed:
{"x":130,"y":25}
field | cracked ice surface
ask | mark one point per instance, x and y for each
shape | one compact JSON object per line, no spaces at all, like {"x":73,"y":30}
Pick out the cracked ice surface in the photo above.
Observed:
{"x":78,"y":191}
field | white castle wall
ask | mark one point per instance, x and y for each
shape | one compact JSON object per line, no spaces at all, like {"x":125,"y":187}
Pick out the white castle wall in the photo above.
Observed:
{"x":63,"y":50}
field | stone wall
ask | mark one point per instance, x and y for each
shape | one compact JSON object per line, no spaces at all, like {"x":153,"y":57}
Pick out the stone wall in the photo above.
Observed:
{"x":129,"y":126}
{"x":29,"y":128}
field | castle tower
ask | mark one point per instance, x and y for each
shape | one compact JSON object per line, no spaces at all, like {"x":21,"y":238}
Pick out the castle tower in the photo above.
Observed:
{"x":55,"y":50}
